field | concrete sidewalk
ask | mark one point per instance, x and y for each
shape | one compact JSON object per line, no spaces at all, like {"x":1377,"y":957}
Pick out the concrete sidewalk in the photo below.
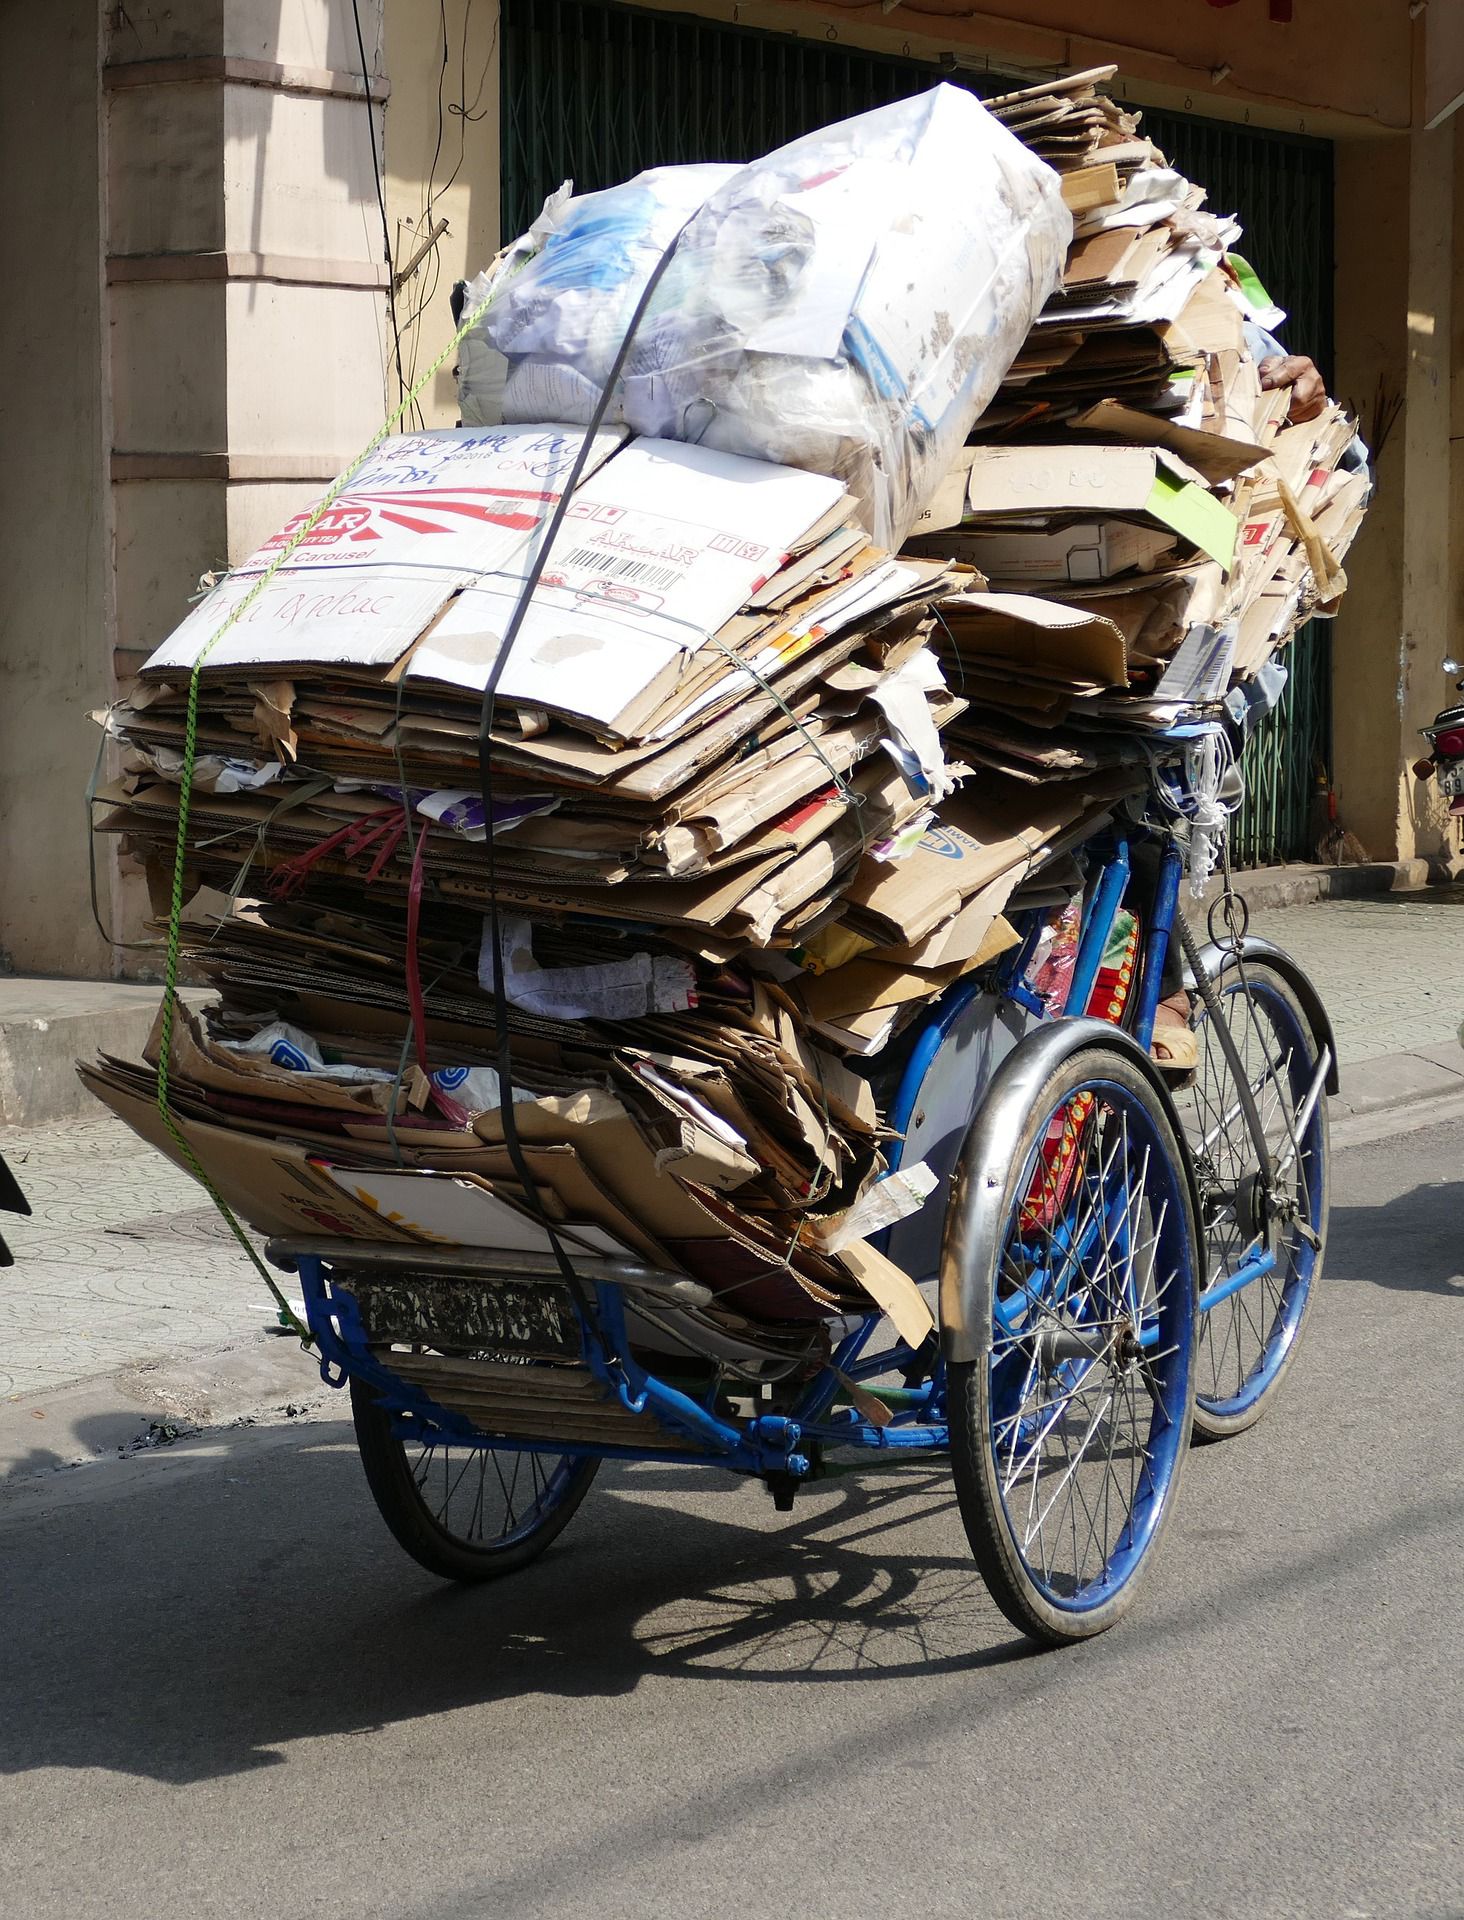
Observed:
{"x":131,"y":1311}
{"x":1390,"y":971}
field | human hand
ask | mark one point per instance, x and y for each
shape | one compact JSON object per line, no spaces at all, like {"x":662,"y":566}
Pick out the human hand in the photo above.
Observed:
{"x":1294,"y":370}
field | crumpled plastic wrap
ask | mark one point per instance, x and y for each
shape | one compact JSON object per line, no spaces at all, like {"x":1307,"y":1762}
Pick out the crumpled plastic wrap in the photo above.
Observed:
{"x":848,"y":305}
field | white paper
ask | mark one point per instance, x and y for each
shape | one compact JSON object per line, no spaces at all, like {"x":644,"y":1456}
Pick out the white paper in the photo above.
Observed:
{"x":901,"y":698}
{"x":1200,"y":669}
{"x":626,"y":989}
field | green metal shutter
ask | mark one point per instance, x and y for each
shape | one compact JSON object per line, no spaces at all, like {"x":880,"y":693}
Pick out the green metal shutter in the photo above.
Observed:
{"x":594,"y":91}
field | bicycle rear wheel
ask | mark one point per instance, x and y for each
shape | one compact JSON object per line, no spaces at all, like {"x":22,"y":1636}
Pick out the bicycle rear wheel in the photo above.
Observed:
{"x":1248,"y":1341}
{"x":466,"y":1513}
{"x":1068,"y":1437}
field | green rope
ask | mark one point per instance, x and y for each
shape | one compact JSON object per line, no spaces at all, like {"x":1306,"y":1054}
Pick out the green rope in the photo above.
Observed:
{"x":288,"y":1316}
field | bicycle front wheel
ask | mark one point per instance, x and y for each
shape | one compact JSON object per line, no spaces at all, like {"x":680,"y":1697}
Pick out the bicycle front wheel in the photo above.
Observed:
{"x":1249,"y":1339}
{"x":1069,"y":1436}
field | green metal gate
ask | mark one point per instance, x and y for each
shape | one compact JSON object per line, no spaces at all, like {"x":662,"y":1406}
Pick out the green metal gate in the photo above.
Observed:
{"x":594,"y":91}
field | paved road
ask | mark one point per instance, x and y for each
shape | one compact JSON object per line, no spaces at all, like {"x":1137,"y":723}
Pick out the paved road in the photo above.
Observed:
{"x":227,"y":1694}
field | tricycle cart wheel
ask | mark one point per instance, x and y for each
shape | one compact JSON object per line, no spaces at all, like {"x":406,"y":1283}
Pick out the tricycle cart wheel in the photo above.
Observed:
{"x":1068,"y":1437}
{"x":466,"y":1513}
{"x":1248,"y":1340}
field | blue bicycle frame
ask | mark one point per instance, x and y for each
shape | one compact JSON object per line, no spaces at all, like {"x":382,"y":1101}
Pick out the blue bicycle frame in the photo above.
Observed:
{"x":836,"y":1408}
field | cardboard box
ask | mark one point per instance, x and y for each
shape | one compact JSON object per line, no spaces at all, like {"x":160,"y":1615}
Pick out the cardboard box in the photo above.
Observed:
{"x":1078,"y":553}
{"x":1149,"y":482}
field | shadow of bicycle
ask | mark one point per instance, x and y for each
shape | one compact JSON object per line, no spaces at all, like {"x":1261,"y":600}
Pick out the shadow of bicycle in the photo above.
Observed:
{"x":1415,"y":1243}
{"x":212,"y":1616}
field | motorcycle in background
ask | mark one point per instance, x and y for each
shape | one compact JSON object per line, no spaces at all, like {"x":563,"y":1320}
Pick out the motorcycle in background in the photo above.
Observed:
{"x":1446,"y":738}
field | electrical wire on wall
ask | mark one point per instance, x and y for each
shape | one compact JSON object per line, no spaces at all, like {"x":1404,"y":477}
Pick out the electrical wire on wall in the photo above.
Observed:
{"x":367,"y":72}
{"x":463,"y":102}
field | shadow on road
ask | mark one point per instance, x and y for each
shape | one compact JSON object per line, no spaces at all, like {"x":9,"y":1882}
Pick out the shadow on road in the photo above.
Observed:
{"x":1415,"y":1242}
{"x":193,"y":1628}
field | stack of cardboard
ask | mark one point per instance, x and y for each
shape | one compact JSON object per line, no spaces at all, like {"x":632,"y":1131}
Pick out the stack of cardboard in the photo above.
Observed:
{"x":727,"y":827}
{"x":1134,"y":470}
{"x":1075,"y":127}
{"x":716,"y":741}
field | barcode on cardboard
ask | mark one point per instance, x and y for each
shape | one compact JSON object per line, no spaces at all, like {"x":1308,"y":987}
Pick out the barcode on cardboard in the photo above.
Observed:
{"x":619,"y":566}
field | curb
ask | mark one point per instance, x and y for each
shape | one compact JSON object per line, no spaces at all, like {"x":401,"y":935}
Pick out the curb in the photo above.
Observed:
{"x":1267,"y":888}
{"x":1399,"y":1080}
{"x":154,"y":1402}
{"x":47,"y":1025}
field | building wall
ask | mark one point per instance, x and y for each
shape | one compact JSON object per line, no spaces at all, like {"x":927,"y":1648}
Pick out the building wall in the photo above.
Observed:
{"x":246,"y":273}
{"x":53,"y":495}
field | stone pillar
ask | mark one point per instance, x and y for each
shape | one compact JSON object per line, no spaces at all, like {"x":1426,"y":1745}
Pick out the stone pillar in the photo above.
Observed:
{"x":246,"y":276}
{"x":1395,"y":319}
{"x":53,"y":496}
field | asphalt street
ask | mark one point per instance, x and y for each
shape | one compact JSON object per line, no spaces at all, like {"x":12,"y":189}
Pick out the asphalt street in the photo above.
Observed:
{"x":227,"y":1693}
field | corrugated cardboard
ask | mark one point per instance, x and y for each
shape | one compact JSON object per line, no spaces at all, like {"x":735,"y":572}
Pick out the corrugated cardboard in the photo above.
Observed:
{"x":1072,"y":553}
{"x":1042,"y":637}
{"x":1149,"y":482}
{"x":1217,"y":456}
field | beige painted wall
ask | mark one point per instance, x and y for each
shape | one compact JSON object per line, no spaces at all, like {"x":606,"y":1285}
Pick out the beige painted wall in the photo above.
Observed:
{"x":441,"y":165}
{"x":53,"y":493}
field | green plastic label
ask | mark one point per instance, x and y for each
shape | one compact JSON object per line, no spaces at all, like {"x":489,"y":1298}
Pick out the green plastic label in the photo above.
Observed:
{"x":1203,"y":520}
{"x":1250,"y":283}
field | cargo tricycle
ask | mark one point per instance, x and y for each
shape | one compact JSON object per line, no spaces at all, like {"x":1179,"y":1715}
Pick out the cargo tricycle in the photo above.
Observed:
{"x":1119,"y":1255}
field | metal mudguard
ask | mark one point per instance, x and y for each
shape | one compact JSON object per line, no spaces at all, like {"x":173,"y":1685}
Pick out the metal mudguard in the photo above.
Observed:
{"x":1253,"y":947}
{"x":976,"y":1214}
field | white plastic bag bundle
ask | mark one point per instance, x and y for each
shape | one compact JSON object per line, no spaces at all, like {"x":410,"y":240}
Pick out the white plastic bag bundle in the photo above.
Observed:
{"x":848,"y":304}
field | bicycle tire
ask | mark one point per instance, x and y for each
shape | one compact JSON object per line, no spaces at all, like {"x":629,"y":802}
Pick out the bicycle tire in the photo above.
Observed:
{"x":1254,"y":1336}
{"x":555,"y":1486}
{"x":999,"y":1401}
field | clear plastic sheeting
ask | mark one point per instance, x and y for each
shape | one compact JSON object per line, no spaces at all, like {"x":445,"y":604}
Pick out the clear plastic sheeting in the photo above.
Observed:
{"x":848,"y":305}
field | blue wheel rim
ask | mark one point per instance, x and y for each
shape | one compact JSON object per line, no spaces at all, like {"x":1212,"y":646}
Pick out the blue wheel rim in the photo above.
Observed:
{"x":485,"y":1498}
{"x":1246,"y":1340}
{"x":1093,"y":1332}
